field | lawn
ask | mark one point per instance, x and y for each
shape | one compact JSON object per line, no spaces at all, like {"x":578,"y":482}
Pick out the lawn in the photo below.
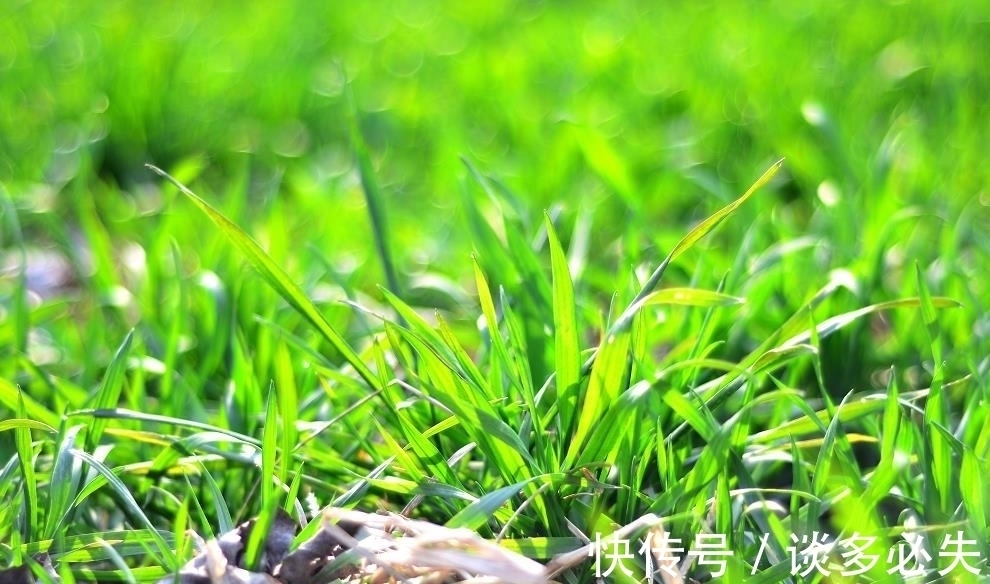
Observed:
{"x":703,"y":275}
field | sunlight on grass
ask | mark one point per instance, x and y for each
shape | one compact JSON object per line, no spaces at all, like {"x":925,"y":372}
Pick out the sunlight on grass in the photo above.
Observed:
{"x":521,"y":273}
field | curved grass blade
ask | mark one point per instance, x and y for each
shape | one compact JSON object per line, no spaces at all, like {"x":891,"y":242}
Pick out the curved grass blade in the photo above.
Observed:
{"x":703,"y":229}
{"x":477,"y":513}
{"x":25,"y":456}
{"x":12,"y":398}
{"x":691,"y":297}
{"x":717,"y":390}
{"x":126,"y":414}
{"x":131,"y":507}
{"x":276,"y":278}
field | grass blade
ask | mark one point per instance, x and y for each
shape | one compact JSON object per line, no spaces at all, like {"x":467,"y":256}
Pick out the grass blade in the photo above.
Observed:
{"x":130,"y":505}
{"x":701,"y":230}
{"x":276,"y":278}
{"x":110,"y":391}
{"x":479,"y":512}
{"x":12,"y":398}
{"x":25,"y":457}
{"x":691,"y":297}
{"x":64,"y":481}
{"x":566,"y":349}
{"x":606,"y":383}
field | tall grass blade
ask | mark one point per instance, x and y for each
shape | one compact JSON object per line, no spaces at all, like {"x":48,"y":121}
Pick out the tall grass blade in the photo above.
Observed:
{"x":64,"y":482}
{"x":701,"y":230}
{"x":566,"y":350}
{"x":940,"y":463}
{"x":131,"y":507}
{"x":277,"y":279}
{"x":606,"y":382}
{"x":12,"y":398}
{"x":269,"y":448}
{"x":25,"y":457}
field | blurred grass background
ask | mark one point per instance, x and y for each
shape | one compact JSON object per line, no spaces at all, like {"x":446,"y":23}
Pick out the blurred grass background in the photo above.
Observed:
{"x":645,"y":116}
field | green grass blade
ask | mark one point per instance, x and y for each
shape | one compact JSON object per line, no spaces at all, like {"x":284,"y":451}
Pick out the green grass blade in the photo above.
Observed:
{"x":767,"y":359}
{"x":130,"y":505}
{"x":125,"y":414}
{"x":622,"y":420}
{"x":566,"y":349}
{"x":64,"y":482}
{"x":269,"y":448}
{"x":429,"y":456}
{"x":891,"y":462}
{"x":479,"y":512}
{"x":288,"y":405}
{"x":846,"y":412}
{"x":519,"y":380}
{"x":12,"y":398}
{"x":972,"y":485}
{"x":277,"y":279}
{"x":89,"y":547}
{"x":19,"y":423}
{"x":701,"y":230}
{"x":838,"y":322}
{"x":25,"y":457}
{"x":109,"y":393}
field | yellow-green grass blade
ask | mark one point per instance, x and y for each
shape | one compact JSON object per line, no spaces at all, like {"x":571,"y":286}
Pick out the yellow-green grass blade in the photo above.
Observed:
{"x":12,"y":398}
{"x":277,"y":279}
{"x":691,"y":297}
{"x":106,"y":476}
{"x":427,"y":454}
{"x":519,"y":381}
{"x":567,"y":352}
{"x":701,"y":230}
{"x":490,"y":505}
{"x":373,"y":196}
{"x":26,"y":460}
{"x":64,"y":483}
{"x":606,"y":382}
{"x":24,"y":423}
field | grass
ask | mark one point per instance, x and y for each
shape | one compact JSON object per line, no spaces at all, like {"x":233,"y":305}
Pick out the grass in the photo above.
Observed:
{"x":497,"y":266}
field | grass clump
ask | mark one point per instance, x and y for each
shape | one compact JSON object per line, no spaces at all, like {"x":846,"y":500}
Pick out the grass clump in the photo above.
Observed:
{"x":563,"y":329}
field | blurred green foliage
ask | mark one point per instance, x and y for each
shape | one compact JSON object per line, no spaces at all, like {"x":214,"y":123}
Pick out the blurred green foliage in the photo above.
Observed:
{"x":635,"y":113}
